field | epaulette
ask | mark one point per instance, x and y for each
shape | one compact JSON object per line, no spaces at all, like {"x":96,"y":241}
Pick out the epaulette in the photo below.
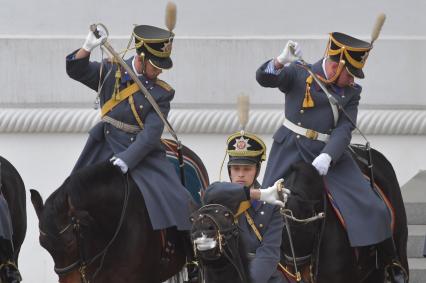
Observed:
{"x":164,"y":85}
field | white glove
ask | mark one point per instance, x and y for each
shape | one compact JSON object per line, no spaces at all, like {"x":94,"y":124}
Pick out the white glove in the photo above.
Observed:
{"x":270,"y":195}
{"x":91,"y":40}
{"x":120,"y":163}
{"x":291,"y":52}
{"x":322,"y":163}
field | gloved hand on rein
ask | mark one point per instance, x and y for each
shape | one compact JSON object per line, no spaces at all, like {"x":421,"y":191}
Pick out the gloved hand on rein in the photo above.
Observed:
{"x":322,"y":163}
{"x":120,"y":163}
{"x":271,"y":194}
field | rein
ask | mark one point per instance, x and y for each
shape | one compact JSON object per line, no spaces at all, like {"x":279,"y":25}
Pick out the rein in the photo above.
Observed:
{"x":82,"y":263}
{"x":288,"y":215}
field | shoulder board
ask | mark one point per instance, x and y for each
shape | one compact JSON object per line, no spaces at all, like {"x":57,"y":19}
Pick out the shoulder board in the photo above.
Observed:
{"x":163,"y":84}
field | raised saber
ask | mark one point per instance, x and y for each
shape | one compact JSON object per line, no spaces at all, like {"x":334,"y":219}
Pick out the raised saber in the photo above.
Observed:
{"x":145,"y":92}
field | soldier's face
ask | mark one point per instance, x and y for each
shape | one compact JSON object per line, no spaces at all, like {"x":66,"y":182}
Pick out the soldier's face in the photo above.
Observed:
{"x":344,"y":79}
{"x":151,"y":71}
{"x":243,"y":174}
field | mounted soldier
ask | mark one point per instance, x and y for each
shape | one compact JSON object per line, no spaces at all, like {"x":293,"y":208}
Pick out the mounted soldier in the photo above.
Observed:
{"x":318,"y":129}
{"x":256,"y":210}
{"x":132,"y":121}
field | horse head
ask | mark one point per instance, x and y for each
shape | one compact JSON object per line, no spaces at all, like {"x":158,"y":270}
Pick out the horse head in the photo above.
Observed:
{"x":72,"y":228}
{"x":217,"y":245}
{"x":303,"y":214}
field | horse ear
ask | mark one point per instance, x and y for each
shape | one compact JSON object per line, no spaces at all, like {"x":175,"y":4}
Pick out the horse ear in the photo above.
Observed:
{"x":37,"y":202}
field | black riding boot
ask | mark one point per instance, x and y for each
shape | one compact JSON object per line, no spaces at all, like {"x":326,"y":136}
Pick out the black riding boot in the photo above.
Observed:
{"x":9,"y":272}
{"x":394,"y":271}
{"x":191,"y":264}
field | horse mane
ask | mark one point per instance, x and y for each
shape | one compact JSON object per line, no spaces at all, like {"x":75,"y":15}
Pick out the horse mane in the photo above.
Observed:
{"x":308,"y":174}
{"x":85,"y":185}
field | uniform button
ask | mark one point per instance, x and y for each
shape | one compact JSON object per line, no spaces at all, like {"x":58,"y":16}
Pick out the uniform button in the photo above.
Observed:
{"x":140,"y":106}
{"x":151,"y":88}
{"x":131,"y":139}
{"x":298,"y":136}
{"x":262,"y":212}
{"x":107,"y":132}
{"x":302,"y":111}
{"x":343,"y":96}
{"x":146,"y":82}
{"x":264,"y":202}
{"x":260,"y":225}
{"x":299,"y":123}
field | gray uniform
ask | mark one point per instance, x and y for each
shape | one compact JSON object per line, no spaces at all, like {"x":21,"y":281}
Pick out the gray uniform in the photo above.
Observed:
{"x":264,"y":255}
{"x":167,"y":201}
{"x":366,"y":216}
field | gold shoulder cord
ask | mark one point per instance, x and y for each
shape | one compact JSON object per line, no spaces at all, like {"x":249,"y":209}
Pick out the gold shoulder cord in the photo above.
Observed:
{"x":135,"y":113}
{"x":123,"y":95}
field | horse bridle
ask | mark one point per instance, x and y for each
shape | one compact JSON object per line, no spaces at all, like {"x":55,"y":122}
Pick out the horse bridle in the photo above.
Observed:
{"x":82,"y":263}
{"x":288,"y":214}
{"x":222,"y":234}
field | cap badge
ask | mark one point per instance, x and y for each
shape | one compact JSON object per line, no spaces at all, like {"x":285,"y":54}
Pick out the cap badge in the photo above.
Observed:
{"x":167,"y":46}
{"x":364,"y":57}
{"x":241,"y":144}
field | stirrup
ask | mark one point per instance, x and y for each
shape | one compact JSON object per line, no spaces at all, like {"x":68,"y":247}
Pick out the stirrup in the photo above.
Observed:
{"x":395,"y":273}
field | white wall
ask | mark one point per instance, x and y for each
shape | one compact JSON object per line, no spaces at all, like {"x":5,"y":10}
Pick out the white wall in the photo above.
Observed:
{"x":218,"y":47}
{"x":214,"y":18}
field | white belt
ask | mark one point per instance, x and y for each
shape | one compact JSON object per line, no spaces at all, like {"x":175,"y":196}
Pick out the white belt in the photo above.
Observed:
{"x":310,"y":134}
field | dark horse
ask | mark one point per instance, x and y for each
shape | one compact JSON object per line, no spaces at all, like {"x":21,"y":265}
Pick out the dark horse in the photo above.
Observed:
{"x":97,"y":228}
{"x":13,"y":189}
{"x":218,"y":247}
{"x":321,"y":246}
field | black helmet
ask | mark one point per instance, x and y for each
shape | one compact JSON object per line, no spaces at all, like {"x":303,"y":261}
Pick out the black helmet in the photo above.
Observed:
{"x":245,"y":148}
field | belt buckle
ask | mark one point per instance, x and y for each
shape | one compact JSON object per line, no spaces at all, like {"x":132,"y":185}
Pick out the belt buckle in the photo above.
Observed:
{"x":311,"y":134}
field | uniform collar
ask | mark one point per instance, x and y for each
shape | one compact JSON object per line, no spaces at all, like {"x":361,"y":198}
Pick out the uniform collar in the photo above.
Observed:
{"x":134,"y":68}
{"x":148,"y":83}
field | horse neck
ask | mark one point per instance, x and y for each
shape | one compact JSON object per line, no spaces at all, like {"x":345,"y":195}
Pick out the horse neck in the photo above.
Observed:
{"x":102,"y":198}
{"x":225,"y":271}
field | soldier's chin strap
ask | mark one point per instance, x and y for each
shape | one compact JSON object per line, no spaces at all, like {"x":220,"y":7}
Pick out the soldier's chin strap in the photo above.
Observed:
{"x":333,"y":101}
{"x":148,"y":96}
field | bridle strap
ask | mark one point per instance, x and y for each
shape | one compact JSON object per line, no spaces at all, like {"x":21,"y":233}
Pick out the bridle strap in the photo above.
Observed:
{"x":81,"y":262}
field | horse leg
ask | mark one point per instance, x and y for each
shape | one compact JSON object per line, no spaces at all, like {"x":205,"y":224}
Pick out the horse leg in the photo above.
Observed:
{"x":336,"y":257}
{"x":151,"y":269}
